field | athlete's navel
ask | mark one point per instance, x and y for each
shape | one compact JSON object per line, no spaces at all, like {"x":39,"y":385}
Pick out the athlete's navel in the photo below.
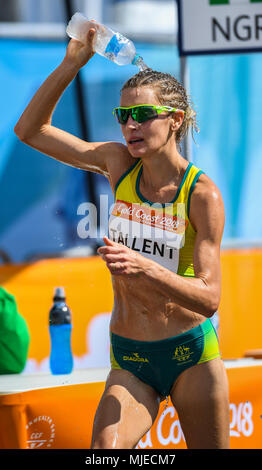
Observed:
{"x":170,"y":308}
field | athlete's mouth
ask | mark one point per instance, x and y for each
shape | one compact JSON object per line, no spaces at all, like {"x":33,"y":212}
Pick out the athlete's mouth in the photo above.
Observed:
{"x":134,"y":141}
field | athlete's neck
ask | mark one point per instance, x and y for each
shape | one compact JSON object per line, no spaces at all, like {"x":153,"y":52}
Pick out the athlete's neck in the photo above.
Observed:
{"x":162,"y":170}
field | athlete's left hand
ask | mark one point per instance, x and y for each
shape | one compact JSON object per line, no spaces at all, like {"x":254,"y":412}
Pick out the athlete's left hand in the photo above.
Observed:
{"x":120,"y":259}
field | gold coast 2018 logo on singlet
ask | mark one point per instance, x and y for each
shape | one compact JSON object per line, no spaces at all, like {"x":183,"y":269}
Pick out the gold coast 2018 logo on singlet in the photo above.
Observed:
{"x":40,"y":433}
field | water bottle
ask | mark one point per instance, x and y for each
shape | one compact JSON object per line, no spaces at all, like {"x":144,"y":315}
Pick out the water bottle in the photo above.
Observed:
{"x":114,"y":46}
{"x":60,"y":327}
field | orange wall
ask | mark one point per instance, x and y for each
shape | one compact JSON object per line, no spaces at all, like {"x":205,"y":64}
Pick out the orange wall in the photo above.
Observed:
{"x":88,"y":288}
{"x":240,"y":307}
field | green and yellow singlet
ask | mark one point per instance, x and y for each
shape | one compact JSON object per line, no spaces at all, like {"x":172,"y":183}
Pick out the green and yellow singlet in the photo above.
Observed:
{"x":161,"y":232}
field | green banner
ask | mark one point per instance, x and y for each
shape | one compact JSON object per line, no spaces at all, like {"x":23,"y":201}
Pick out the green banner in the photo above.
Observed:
{"x":219,"y":2}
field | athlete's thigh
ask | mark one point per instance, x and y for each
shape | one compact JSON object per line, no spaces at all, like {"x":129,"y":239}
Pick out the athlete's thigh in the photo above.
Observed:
{"x":200,"y":396}
{"x":126,"y":411}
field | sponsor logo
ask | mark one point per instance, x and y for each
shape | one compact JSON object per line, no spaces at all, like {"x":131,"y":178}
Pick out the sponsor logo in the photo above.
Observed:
{"x":135,"y":358}
{"x":40,"y":432}
{"x":167,"y":429}
{"x":156,"y":217}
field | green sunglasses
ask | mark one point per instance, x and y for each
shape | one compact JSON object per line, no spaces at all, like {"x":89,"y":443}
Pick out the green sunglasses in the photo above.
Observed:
{"x":140,"y":113}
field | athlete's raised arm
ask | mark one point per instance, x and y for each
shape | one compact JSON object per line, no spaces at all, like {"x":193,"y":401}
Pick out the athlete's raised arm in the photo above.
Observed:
{"x":35,"y":127}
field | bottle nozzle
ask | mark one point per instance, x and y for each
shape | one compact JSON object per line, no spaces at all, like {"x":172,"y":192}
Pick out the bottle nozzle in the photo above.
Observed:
{"x":138,"y":61}
{"x":59,"y":293}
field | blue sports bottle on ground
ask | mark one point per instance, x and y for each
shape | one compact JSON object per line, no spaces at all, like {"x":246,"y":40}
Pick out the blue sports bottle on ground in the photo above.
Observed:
{"x":60,"y":328}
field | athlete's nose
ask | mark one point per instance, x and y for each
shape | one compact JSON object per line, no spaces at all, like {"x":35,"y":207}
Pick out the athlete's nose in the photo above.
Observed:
{"x":132,"y":123}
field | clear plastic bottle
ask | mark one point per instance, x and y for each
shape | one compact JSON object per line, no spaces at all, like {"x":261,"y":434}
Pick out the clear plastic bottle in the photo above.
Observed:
{"x":60,"y":327}
{"x":114,"y":46}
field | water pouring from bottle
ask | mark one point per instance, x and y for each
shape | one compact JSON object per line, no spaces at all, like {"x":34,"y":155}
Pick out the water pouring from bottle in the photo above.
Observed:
{"x":139,"y":62}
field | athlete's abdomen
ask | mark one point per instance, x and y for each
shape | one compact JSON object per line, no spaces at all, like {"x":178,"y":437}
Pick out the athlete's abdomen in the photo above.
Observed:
{"x":145,"y":314}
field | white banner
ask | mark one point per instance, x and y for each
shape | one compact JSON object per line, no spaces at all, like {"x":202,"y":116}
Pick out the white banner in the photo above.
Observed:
{"x":219,"y":26}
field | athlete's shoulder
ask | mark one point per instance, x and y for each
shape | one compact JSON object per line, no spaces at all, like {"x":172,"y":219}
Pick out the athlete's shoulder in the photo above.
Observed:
{"x":206,"y":189}
{"x":206,"y":202}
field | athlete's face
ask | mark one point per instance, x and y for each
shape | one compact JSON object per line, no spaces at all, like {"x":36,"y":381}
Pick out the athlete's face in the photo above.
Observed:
{"x":151,"y":136}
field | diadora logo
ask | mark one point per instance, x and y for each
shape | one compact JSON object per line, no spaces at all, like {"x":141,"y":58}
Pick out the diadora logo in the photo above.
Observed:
{"x":182,"y":354}
{"x":135,"y":358}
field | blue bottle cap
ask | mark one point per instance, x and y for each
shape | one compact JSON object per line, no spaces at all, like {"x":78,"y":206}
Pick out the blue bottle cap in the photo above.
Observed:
{"x":137,"y":56}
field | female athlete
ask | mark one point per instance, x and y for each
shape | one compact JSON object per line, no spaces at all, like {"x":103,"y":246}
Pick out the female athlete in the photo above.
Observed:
{"x":163,"y":252}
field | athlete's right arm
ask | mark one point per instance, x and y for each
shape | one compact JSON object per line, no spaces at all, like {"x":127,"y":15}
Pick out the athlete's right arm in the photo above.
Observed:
{"x":35,"y":125}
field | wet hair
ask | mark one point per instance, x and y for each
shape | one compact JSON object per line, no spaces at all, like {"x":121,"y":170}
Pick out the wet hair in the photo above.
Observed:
{"x":170,"y":92}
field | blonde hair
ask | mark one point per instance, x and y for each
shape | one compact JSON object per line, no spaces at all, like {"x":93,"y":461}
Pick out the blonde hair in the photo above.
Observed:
{"x":170,"y":92}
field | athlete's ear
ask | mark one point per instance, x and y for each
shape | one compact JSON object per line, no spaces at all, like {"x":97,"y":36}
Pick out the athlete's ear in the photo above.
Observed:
{"x":177,"y":119}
